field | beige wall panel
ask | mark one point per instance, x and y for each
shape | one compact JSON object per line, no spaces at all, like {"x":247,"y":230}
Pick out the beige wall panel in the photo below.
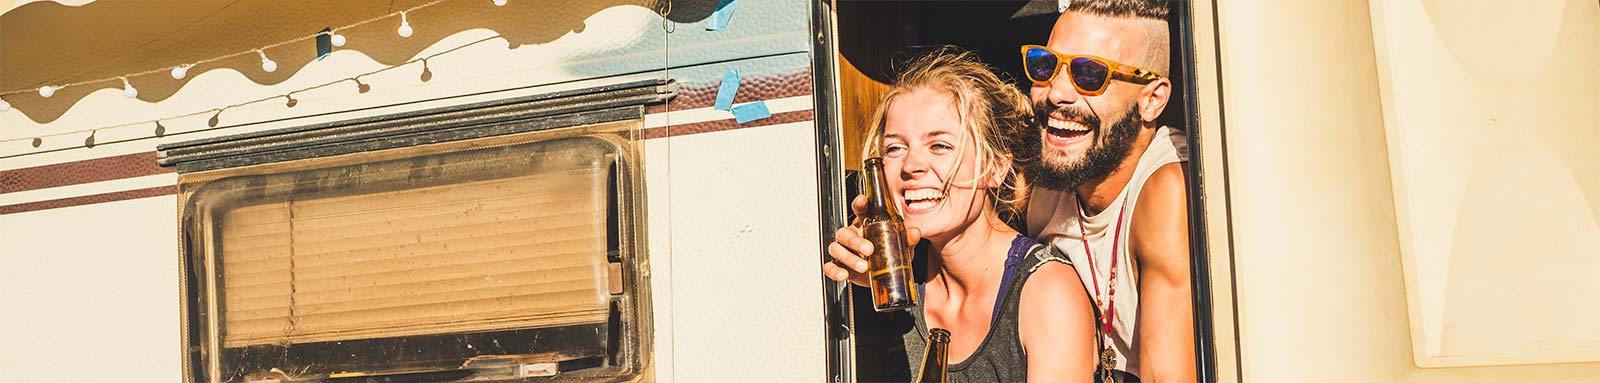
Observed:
{"x":1318,"y":246}
{"x":90,"y":299}
{"x":740,"y":285}
{"x":1492,"y":131}
{"x":1320,"y":297}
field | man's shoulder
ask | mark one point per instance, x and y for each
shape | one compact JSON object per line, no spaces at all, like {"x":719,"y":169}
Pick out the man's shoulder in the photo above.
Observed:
{"x":1163,"y":212}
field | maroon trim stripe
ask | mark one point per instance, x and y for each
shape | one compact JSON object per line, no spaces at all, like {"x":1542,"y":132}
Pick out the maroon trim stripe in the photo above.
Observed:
{"x":90,"y":199}
{"x":694,"y":96}
{"x":728,"y":124}
{"x":80,"y":172}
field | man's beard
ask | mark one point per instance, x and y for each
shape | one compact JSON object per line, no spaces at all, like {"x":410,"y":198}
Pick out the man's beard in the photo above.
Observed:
{"x":1103,"y":156}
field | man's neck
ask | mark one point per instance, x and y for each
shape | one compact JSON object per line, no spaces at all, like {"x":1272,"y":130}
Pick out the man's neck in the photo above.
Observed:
{"x":1096,"y":194}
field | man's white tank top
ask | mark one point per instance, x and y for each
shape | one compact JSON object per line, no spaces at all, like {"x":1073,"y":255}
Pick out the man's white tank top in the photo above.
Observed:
{"x":1053,"y":218}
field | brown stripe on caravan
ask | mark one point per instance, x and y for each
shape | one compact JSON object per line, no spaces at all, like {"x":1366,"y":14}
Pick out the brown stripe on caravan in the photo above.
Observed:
{"x":90,"y":199}
{"x":80,"y":172}
{"x":750,"y":90}
{"x":728,"y":124}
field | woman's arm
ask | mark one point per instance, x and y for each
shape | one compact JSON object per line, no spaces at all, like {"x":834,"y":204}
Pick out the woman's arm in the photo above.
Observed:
{"x":1056,"y":325}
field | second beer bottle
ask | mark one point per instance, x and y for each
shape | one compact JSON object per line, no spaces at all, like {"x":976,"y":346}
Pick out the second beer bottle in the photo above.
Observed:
{"x":890,"y":263}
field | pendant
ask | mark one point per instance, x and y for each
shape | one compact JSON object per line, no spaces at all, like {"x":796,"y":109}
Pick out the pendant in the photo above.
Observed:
{"x":1108,"y":361}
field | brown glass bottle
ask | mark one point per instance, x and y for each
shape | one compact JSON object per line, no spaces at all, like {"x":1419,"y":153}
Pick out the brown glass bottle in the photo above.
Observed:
{"x":936,"y":363}
{"x":890,"y":263}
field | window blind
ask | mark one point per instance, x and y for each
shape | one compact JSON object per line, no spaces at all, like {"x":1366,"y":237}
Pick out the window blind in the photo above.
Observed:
{"x":504,"y":253}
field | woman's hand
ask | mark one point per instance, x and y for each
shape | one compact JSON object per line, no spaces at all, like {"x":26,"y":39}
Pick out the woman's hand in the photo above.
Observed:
{"x":850,"y":250}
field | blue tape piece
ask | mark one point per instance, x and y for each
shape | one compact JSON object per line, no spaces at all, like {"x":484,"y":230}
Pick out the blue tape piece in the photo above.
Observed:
{"x":751,"y":112}
{"x":729,"y":88}
{"x":719,"y":19}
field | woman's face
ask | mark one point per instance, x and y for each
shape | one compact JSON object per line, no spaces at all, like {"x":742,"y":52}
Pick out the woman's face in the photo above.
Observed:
{"x":922,"y":134}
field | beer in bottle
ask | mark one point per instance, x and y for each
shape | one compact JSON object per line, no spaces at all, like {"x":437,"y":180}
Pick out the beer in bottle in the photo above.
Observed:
{"x":890,"y":263}
{"x":935,"y":364}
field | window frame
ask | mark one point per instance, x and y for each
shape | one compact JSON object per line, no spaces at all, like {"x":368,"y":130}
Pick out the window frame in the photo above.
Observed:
{"x":613,"y":114}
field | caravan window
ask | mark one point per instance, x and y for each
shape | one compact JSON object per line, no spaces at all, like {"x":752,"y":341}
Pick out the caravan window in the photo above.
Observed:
{"x":510,"y":256}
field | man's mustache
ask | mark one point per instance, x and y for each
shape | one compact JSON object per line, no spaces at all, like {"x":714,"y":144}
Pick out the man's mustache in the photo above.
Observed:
{"x":1044,"y":111}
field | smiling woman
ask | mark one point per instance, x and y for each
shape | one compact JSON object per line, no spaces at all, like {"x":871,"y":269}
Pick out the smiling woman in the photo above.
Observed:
{"x":944,"y":132}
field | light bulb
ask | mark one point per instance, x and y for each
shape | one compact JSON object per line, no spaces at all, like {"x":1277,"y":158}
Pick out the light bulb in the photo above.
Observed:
{"x":128,"y":90}
{"x":4,"y":106}
{"x":405,"y":26}
{"x":47,"y":91}
{"x":336,"y":39}
{"x":179,"y":72}
{"x":266,"y":63}
{"x":498,"y":3}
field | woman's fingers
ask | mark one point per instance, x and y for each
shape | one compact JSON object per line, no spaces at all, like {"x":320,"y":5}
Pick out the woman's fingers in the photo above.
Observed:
{"x":854,"y":255}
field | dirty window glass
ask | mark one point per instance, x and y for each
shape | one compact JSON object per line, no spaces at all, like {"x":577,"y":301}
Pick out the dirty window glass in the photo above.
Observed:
{"x":484,"y":263}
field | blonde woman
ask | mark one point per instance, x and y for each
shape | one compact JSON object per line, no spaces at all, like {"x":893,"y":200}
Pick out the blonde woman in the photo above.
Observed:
{"x":1016,"y":310}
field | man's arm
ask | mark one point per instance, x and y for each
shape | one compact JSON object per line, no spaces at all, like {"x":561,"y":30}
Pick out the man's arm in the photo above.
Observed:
{"x":1160,"y":243}
{"x":1056,"y":326}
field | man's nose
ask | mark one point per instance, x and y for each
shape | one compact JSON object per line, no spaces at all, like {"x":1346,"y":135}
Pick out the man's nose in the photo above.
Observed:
{"x":1061,"y":90}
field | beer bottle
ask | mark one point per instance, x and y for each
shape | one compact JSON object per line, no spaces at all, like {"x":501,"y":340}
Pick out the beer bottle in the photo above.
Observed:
{"x":935,"y":364}
{"x":890,"y":263}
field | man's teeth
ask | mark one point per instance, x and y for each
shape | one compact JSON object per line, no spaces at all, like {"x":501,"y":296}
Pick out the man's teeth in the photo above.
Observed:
{"x":1067,"y":125}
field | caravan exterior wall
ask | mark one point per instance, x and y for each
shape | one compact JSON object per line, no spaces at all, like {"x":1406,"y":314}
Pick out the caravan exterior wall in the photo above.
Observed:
{"x":91,"y":239}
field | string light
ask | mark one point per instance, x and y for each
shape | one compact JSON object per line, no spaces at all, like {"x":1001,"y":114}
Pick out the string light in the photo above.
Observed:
{"x":336,"y":38}
{"x":89,"y":142}
{"x":498,"y":3}
{"x":405,"y":26}
{"x":291,"y":102}
{"x":216,"y":113}
{"x":128,"y":90}
{"x":179,"y":72}
{"x":4,"y":106}
{"x":267,"y":64}
{"x":426,"y":73}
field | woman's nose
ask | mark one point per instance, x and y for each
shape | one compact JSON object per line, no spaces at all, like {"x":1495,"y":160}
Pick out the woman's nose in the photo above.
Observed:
{"x":915,"y":164}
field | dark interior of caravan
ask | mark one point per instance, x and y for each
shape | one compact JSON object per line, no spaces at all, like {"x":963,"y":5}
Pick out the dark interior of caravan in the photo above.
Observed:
{"x":876,"y":37}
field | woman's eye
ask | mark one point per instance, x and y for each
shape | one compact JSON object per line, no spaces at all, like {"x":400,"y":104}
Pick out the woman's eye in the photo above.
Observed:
{"x":941,"y":147}
{"x":893,"y":150}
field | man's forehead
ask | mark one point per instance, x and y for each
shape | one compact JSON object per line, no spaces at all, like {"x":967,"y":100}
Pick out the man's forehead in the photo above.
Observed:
{"x":1110,"y":37}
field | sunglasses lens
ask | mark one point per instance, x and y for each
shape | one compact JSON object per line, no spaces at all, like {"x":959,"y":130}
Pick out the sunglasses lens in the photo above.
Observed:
{"x":1040,"y":64}
{"x":1089,"y":74}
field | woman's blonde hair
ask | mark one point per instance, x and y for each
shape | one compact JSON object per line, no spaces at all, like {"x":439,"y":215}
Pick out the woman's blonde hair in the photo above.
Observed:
{"x":994,"y":114}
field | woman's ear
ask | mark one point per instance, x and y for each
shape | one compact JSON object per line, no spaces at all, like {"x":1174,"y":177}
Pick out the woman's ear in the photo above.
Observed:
{"x":998,"y":172}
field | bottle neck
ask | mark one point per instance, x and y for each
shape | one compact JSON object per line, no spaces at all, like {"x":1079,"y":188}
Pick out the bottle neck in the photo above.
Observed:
{"x":879,"y":203}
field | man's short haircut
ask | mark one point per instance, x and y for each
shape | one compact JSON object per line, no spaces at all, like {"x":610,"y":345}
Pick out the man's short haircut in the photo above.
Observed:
{"x":1142,"y":9}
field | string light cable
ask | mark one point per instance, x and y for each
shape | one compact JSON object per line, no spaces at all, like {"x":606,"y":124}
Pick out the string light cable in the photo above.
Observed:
{"x":180,"y":71}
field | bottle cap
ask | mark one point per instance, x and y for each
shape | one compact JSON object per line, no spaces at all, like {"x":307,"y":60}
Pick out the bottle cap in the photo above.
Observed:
{"x":939,"y":335}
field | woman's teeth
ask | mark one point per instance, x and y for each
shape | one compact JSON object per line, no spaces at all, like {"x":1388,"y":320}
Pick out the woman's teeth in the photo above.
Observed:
{"x":922,"y":198}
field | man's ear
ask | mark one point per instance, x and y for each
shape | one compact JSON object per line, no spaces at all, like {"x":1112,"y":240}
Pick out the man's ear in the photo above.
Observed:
{"x":1153,"y":99}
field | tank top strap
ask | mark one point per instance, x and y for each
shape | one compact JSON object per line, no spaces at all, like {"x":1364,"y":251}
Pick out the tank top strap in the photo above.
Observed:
{"x":1021,"y":247}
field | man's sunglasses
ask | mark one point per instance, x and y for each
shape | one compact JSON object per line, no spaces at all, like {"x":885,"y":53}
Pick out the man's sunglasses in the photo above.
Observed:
{"x":1090,"y":75}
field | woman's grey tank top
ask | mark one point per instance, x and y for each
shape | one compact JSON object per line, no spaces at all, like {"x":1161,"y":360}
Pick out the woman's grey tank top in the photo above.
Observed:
{"x":999,"y":358}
